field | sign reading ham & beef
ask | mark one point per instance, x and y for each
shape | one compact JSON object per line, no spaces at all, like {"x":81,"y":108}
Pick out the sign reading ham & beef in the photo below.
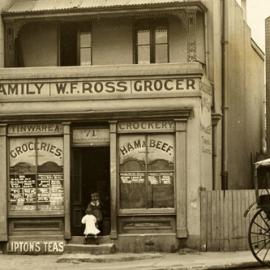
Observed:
{"x":97,"y":88}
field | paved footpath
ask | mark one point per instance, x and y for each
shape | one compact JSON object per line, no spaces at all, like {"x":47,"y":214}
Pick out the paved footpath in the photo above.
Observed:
{"x":120,"y":261}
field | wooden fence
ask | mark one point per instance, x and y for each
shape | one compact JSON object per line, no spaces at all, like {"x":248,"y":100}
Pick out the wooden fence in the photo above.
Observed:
{"x":223,"y":225}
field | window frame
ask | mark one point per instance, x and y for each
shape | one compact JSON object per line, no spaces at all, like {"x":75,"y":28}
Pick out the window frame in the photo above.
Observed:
{"x":84,"y":29}
{"x":152,"y":26}
{"x":146,"y":210}
{"x":36,"y":212}
{"x":79,"y":27}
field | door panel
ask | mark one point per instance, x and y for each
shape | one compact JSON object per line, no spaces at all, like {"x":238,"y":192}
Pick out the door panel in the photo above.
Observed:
{"x":76,"y":192}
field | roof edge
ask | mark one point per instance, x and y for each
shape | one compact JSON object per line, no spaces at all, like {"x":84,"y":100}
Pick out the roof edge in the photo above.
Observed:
{"x":104,"y":10}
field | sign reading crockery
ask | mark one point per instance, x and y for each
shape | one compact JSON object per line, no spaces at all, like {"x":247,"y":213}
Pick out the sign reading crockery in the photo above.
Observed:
{"x":142,"y":126}
{"x":96,"y":88}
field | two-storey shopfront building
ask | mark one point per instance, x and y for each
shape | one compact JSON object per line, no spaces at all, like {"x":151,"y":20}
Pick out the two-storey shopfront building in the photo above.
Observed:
{"x":111,"y":97}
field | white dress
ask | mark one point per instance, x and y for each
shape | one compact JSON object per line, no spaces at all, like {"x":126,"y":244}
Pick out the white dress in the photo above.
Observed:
{"x":90,"y":225}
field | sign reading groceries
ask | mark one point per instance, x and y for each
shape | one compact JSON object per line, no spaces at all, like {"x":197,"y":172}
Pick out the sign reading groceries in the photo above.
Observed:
{"x":97,"y":88}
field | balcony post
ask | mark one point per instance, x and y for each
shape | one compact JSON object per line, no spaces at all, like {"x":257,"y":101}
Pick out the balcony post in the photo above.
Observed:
{"x":191,"y":14}
{"x":12,"y":30}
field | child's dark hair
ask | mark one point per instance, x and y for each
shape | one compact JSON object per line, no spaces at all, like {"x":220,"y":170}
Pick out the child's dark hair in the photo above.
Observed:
{"x":89,"y":211}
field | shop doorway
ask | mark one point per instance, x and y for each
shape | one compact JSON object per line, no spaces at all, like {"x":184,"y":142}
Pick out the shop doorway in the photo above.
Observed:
{"x":90,"y":173}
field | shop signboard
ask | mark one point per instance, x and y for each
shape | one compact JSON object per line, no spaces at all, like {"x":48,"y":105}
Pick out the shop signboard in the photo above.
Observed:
{"x":97,"y":88}
{"x":35,"y":129}
{"x":91,"y":136}
{"x":35,"y":247}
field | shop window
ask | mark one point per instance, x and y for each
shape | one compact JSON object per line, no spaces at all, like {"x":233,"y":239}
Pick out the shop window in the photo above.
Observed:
{"x":146,"y":171}
{"x":36,"y":174}
{"x":75,"y":44}
{"x":152,"y":43}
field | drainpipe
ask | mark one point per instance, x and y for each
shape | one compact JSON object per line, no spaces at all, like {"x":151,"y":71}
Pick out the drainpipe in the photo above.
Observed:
{"x":224,"y":109}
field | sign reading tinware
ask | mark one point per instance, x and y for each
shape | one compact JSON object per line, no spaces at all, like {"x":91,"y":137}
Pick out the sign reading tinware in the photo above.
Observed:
{"x":97,"y":88}
{"x":35,"y":129}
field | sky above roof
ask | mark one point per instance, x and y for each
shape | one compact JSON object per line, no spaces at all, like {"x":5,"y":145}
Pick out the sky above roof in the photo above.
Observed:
{"x":257,"y":11}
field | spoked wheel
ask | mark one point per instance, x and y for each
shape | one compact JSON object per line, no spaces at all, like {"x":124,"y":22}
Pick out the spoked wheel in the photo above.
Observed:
{"x":259,"y":237}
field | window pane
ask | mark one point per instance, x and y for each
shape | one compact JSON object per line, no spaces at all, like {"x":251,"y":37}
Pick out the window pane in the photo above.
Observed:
{"x":132,"y":152}
{"x":143,"y":54}
{"x":36,"y":174}
{"x":85,"y":39}
{"x":161,"y":170}
{"x":22,"y":171}
{"x":132,"y":190}
{"x":161,"y":53}
{"x":50,"y":174}
{"x":132,"y":149}
{"x":143,"y":37}
{"x":161,"y":35}
{"x":161,"y":152}
{"x":85,"y":56}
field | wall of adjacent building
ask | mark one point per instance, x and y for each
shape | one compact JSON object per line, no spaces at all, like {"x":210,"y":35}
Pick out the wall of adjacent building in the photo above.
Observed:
{"x":244,"y":85}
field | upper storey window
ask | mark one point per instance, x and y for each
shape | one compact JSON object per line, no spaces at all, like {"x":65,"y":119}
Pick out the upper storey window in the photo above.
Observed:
{"x":151,"y":43}
{"x":85,"y":48}
{"x":75,"y":44}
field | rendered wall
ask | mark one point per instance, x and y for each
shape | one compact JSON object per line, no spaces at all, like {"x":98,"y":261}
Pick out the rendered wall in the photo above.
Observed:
{"x":39,"y":44}
{"x":112,"y":42}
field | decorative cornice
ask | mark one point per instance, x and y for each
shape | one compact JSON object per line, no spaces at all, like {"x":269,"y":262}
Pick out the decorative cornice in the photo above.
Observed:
{"x":183,"y":114}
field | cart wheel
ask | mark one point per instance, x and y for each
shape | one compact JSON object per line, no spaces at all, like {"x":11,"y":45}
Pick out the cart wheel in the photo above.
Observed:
{"x":259,"y":237}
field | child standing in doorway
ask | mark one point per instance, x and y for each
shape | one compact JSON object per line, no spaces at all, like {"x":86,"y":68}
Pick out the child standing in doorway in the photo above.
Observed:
{"x":94,"y":207}
{"x":90,"y":222}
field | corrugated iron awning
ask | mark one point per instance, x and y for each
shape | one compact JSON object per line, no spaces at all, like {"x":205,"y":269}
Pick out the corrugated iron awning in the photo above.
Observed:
{"x":43,"y":6}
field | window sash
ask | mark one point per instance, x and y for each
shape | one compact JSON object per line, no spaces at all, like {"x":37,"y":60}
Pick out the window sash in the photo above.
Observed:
{"x":85,"y":48}
{"x":155,"y":48}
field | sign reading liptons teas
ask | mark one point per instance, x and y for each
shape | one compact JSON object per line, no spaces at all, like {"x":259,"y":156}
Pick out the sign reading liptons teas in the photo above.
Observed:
{"x":97,"y":88}
{"x":35,"y":247}
{"x":35,"y":129}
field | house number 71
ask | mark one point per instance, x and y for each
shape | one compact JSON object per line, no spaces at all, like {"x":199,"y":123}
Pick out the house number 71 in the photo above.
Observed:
{"x":91,"y":133}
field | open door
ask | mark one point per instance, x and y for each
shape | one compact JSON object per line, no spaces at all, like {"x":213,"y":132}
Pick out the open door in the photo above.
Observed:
{"x":90,"y":173}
